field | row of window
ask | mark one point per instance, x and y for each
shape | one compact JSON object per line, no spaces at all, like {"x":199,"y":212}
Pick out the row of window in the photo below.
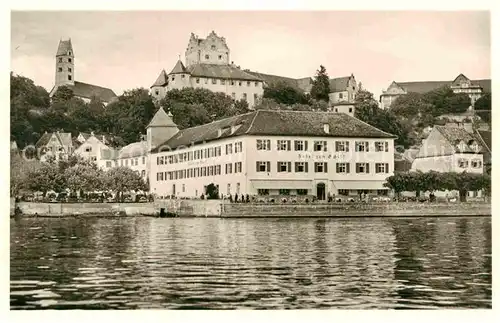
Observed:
{"x":220,"y":81}
{"x":199,"y":154}
{"x":61,"y":59}
{"x":133,"y":161}
{"x":283,"y":191}
{"x":464,"y":163}
{"x":320,"y":167}
{"x":61,"y":69}
{"x":199,"y":172}
{"x":321,"y":145}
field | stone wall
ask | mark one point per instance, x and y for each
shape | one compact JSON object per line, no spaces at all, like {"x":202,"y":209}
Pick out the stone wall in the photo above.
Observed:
{"x":181,"y":207}
{"x":216,"y":208}
{"x":61,"y":209}
{"x":346,"y":210}
{"x":192,"y":207}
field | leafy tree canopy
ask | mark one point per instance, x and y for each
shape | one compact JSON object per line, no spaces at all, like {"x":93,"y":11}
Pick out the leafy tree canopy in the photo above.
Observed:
{"x":321,"y":85}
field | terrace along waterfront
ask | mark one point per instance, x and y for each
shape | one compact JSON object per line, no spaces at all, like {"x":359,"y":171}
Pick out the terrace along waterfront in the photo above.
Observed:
{"x":357,"y":263}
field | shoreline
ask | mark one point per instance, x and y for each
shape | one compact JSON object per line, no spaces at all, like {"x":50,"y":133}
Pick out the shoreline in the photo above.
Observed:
{"x":221,"y":209}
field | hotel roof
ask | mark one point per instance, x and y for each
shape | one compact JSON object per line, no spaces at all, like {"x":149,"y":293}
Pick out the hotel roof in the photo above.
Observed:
{"x":275,"y":123}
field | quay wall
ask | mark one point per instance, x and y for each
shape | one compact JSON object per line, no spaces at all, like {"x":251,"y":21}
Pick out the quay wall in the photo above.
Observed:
{"x":217,"y":208}
{"x":64,"y":209}
{"x":357,"y":210}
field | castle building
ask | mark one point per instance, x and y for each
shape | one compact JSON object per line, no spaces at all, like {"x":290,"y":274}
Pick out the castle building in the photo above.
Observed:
{"x":65,"y":76}
{"x":271,"y":153}
{"x":207,"y":66}
{"x":461,"y":84}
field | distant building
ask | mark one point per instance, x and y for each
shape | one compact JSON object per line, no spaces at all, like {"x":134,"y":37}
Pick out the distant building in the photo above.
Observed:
{"x":65,"y":76}
{"x":135,"y":157}
{"x":94,"y":149}
{"x":281,"y":153}
{"x":461,"y":84}
{"x":57,"y":145}
{"x":451,"y":148}
{"x":208,"y":65}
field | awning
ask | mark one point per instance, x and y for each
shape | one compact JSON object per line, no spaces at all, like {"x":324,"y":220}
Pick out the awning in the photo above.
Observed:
{"x":359,"y":185}
{"x":281,"y":184}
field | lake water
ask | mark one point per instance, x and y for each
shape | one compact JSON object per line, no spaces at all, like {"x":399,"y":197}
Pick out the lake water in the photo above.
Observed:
{"x":203,"y":263}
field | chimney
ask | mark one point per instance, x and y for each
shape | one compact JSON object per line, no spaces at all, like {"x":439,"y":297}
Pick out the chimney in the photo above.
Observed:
{"x":326,"y":127}
{"x":91,"y":133}
{"x":219,"y":132}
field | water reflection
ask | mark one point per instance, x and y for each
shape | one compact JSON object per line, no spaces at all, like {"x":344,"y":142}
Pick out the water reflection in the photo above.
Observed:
{"x":134,"y":263}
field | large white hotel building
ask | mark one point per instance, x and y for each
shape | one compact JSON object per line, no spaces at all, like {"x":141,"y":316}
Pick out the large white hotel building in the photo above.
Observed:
{"x":270,"y":153}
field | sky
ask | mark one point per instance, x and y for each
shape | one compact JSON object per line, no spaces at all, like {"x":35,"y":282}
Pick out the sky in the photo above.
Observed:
{"x":126,"y":50}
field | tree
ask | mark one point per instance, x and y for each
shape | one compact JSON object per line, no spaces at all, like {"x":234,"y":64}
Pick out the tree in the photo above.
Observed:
{"x":45,"y":178}
{"x":63,"y":94}
{"x":321,"y":85}
{"x":240,"y":107}
{"x":84,"y":176}
{"x":282,"y":92}
{"x":129,"y":116}
{"x":217,"y":104}
{"x":367,"y":110}
{"x":483,"y":103}
{"x":410,"y":106}
{"x":123,"y":179}
{"x":20,"y":168}
{"x":189,"y":115}
{"x":434,"y":181}
{"x":268,"y":104}
{"x":212,"y":192}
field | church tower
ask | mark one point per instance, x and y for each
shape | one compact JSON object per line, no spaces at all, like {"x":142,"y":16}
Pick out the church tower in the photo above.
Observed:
{"x":65,"y":64}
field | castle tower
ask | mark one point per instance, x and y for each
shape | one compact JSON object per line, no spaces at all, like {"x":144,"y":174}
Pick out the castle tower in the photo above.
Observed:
{"x":160,"y":129}
{"x":65,"y":64}
{"x":212,"y":50}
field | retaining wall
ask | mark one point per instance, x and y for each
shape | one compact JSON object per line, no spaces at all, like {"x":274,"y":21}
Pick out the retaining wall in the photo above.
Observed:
{"x":62,"y":209}
{"x":365,"y":210}
{"x":216,"y":208}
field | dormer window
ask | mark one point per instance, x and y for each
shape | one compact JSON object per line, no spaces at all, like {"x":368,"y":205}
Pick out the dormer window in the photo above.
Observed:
{"x":463,"y":163}
{"x":326,"y":128}
{"x":461,"y":146}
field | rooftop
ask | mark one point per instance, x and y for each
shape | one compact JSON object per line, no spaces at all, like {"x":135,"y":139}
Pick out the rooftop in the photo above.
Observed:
{"x":339,"y":84}
{"x":135,"y":149}
{"x":276,"y":123}
{"x":162,"y":79}
{"x":64,"y":47}
{"x":455,"y":135}
{"x":64,"y":139}
{"x":220,"y":71}
{"x":89,"y":91}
